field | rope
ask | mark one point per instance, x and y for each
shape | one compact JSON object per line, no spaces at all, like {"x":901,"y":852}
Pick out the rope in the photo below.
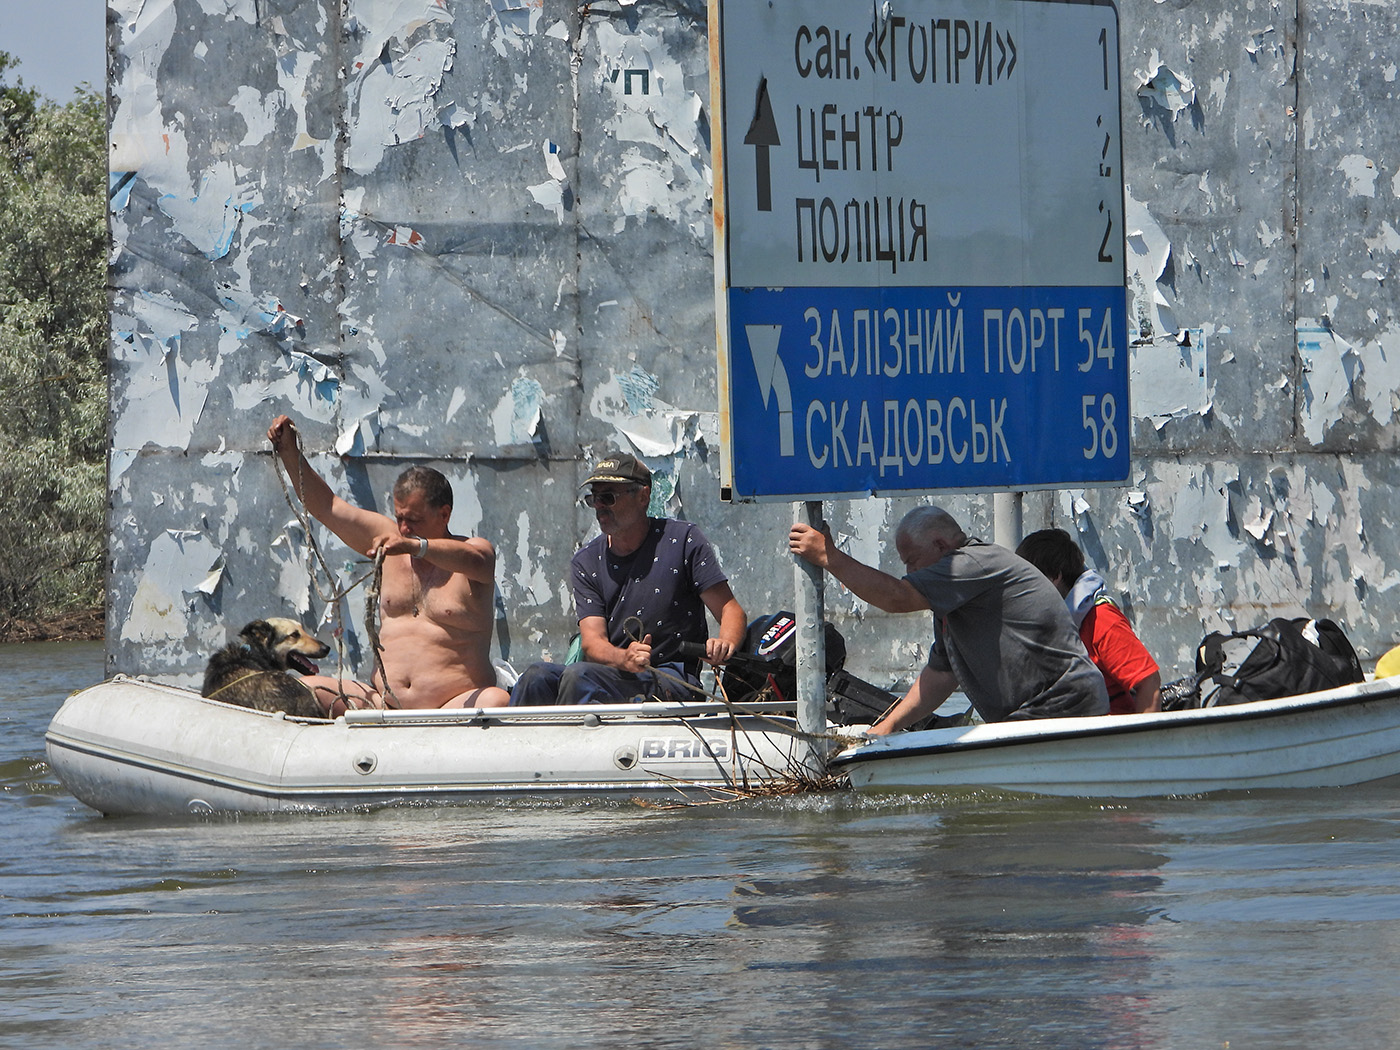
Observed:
{"x":735,"y":709}
{"x":240,"y":678}
{"x":318,"y":565}
{"x":372,"y":627}
{"x":254,"y":674}
{"x":318,"y":560}
{"x":634,"y":634}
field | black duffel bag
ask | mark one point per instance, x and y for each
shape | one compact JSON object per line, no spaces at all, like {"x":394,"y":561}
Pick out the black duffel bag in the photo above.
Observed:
{"x":1283,"y":662}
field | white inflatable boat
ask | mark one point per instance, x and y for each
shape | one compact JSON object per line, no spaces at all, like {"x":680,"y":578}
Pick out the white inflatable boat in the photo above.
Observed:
{"x":130,"y":746}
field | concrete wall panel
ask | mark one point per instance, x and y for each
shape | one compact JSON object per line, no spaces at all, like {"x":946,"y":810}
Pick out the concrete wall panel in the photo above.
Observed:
{"x":477,"y":235}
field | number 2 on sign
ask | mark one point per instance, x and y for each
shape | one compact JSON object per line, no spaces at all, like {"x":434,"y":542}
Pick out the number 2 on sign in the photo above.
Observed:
{"x":1105,"y":349}
{"x":1103,"y":428}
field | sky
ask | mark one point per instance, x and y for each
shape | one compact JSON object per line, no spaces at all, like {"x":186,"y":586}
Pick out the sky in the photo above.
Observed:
{"x":59,"y":44}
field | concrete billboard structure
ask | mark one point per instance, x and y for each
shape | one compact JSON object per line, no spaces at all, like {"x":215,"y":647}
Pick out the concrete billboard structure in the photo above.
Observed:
{"x":477,"y":234}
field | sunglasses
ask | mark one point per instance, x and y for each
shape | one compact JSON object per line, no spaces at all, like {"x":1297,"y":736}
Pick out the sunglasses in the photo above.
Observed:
{"x":605,"y":499}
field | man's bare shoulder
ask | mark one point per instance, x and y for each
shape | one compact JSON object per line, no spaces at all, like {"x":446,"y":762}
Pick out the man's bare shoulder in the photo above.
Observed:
{"x":479,"y":544}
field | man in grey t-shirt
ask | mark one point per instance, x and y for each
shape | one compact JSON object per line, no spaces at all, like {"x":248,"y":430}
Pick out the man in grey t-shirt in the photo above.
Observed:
{"x":1001,"y":630}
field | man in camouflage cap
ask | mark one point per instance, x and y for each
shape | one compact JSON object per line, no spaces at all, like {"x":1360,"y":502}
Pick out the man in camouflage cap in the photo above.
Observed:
{"x":641,"y":588}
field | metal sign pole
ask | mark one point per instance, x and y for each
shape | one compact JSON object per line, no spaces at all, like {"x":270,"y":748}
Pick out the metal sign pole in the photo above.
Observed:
{"x":1007,"y":519}
{"x":809,"y":587}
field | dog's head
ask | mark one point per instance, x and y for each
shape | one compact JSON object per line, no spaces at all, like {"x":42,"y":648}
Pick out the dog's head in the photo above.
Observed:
{"x":287,"y":642}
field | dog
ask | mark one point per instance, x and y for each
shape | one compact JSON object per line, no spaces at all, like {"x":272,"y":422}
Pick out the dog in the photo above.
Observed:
{"x":253,"y":672}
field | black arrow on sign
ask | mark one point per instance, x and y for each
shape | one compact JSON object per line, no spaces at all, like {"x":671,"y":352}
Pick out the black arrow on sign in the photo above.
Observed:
{"x":763,"y":132}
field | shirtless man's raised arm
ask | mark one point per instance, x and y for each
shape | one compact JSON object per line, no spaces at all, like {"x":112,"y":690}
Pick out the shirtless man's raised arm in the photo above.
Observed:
{"x":436,"y":593}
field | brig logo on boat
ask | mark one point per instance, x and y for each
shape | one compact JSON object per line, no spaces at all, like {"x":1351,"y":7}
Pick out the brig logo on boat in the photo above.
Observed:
{"x":654,"y":748}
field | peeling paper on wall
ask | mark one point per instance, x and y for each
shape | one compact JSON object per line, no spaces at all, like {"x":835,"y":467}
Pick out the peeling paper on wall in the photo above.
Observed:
{"x":516,"y":22}
{"x":663,"y":173}
{"x":554,"y":194}
{"x":405,"y":237}
{"x":1256,"y":40}
{"x":628,"y":403}
{"x":1168,"y":89}
{"x":244,"y":313}
{"x":1335,"y":373}
{"x":1195,"y":500}
{"x":1169,"y":379}
{"x":663,"y":433}
{"x":1258,"y":521}
{"x":308,"y":385}
{"x":179,"y":564}
{"x":163,"y":393}
{"x":145,"y":29}
{"x":293,"y":71}
{"x":365,"y":396}
{"x":1168,"y":368}
{"x":210,"y":215}
{"x":358,"y":436}
{"x":356,"y":228}
{"x":307,"y":381}
{"x":293,"y":583}
{"x":665,"y":493}
{"x":119,"y":190}
{"x":210,"y":583}
{"x":516,"y":417}
{"x":259,"y":113}
{"x":1360,"y":173}
{"x":872,"y":532}
{"x":865,"y":538}
{"x":392,"y":102}
{"x":119,"y":461}
{"x":1330,"y":366}
{"x":1149,"y":251}
{"x":245,"y":10}
{"x":466,"y":503}
{"x":531,"y":583}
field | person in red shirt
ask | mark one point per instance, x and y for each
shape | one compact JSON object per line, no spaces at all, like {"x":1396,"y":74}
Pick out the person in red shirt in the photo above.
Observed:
{"x":1133,"y":678}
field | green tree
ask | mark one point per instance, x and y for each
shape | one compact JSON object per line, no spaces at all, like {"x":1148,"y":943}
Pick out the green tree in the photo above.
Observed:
{"x":53,"y":343}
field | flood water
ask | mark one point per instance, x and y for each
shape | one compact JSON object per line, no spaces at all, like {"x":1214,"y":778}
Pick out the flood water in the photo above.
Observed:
{"x":1267,"y":920}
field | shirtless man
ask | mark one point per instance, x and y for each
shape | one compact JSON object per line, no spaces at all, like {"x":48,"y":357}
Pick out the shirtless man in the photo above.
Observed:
{"x":435,"y":599}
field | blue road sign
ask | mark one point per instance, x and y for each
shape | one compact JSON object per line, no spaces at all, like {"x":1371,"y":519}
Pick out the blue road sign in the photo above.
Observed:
{"x":921,"y":267}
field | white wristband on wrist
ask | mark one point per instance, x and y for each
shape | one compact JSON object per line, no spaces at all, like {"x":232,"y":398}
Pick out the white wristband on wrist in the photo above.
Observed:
{"x":422,"y":548}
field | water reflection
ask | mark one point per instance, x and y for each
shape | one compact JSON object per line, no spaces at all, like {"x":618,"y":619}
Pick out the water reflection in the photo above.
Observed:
{"x":958,"y":920}
{"x":1006,"y":898}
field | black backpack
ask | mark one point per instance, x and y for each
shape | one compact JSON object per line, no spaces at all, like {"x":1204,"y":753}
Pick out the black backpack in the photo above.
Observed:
{"x":1283,"y":662}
